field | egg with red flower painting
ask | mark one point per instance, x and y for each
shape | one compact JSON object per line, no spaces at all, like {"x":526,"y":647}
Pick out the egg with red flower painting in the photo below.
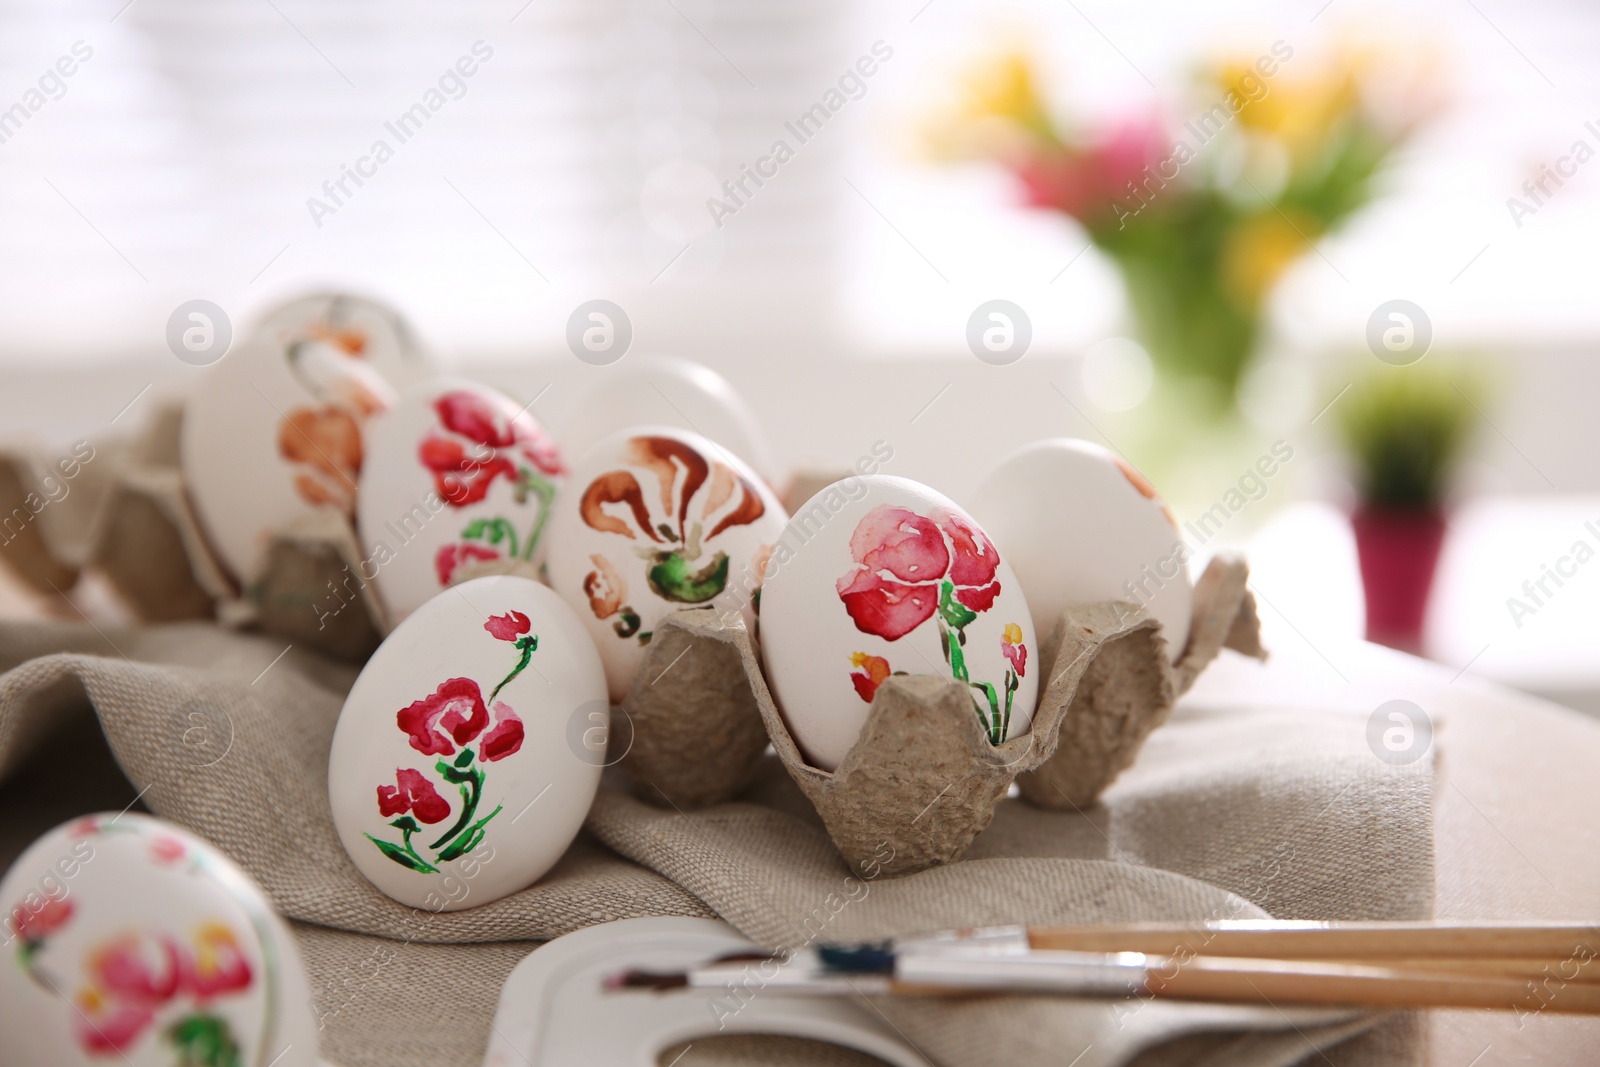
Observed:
{"x":1084,"y":526}
{"x":657,"y":520}
{"x":132,"y":941}
{"x":464,"y":761}
{"x":877,"y":576}
{"x":459,"y":478}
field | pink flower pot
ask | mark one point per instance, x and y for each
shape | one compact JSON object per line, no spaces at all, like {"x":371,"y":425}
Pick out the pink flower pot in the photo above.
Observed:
{"x":1399,"y":552}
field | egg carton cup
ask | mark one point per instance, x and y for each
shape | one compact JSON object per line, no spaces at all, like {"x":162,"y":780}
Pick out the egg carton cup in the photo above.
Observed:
{"x":127,"y":514}
{"x":922,"y":780}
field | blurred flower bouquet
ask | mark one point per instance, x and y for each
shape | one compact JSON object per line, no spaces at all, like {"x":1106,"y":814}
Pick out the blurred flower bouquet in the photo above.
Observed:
{"x":1202,"y":217}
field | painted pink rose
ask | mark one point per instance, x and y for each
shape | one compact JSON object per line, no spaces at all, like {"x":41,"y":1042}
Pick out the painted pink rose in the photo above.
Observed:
{"x":450,"y":557}
{"x":508,"y":627}
{"x":414,"y":794}
{"x":455,"y":710}
{"x":33,"y":925}
{"x":478,"y":445}
{"x":901,"y":559}
{"x":218,"y":965}
{"x":504,"y":737}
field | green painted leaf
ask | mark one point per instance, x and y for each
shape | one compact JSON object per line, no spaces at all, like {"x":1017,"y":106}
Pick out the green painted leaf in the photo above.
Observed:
{"x":406,"y":822}
{"x":955,"y":614}
{"x":204,"y":1041}
{"x":671,"y":579}
{"x":402,"y":857}
{"x":465,"y":757}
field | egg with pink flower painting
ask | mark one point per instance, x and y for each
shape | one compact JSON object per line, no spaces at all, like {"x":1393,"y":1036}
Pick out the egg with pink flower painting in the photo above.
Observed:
{"x":877,"y":576}
{"x":459,"y":478}
{"x":464,"y":762}
{"x":1084,"y":526}
{"x":132,"y":941}
{"x":657,"y":520}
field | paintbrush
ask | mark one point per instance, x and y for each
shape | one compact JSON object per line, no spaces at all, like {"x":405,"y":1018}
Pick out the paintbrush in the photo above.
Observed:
{"x":1369,"y":964}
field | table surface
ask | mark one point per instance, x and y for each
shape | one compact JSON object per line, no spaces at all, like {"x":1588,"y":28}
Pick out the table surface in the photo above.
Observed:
{"x":1303,"y":565}
{"x":1517,"y":793}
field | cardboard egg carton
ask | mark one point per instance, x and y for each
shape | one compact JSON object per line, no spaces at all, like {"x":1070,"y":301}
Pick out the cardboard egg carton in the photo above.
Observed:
{"x":128,"y":515}
{"x":923,"y":780}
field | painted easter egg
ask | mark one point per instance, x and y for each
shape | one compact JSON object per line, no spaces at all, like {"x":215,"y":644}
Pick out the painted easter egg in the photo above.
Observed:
{"x":358,"y":324}
{"x":1083,"y":526}
{"x":456,"y":474}
{"x":274,"y":432}
{"x":454,"y":775}
{"x":666,"y":391}
{"x":880,"y":575}
{"x":134,"y":942}
{"x":656,"y":520}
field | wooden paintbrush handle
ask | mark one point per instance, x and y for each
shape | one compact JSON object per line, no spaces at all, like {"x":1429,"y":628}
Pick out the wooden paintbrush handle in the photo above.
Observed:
{"x":1552,"y":942}
{"x":1285,"y":982}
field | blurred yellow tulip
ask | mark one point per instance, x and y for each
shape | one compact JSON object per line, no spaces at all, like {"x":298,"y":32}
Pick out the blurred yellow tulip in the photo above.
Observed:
{"x":1260,"y":249}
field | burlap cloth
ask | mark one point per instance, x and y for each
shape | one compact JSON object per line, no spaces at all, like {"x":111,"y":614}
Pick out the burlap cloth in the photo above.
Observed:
{"x":1289,"y":812}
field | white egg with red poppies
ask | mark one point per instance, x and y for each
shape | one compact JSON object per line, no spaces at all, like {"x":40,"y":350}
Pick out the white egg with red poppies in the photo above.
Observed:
{"x":656,"y":520}
{"x":1083,"y":526}
{"x":131,"y":941}
{"x":457,"y":474}
{"x":879,"y":575}
{"x":459,"y":771}
{"x":274,"y":432}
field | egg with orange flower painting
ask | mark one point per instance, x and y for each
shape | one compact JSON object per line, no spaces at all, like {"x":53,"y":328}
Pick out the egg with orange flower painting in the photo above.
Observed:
{"x":1082,"y":525}
{"x":134,"y":942}
{"x":276,"y":431}
{"x":655,"y":520}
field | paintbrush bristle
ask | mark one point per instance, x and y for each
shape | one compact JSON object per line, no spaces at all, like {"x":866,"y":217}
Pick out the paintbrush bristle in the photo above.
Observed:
{"x":873,"y":957}
{"x":645,"y":980}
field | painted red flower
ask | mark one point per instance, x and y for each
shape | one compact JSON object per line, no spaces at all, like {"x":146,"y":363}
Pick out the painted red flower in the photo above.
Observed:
{"x":481,"y":444}
{"x":504,"y":737}
{"x":456,"y":707}
{"x":449,"y":557}
{"x":973,"y":562}
{"x":109,"y":1027}
{"x":901,"y":559}
{"x":508,"y":627}
{"x":1015,"y":652}
{"x":412,"y":793}
{"x":870,"y":673}
{"x":166,"y":849}
{"x":218,"y":965}
{"x":33,"y":925}
{"x":137,"y":969}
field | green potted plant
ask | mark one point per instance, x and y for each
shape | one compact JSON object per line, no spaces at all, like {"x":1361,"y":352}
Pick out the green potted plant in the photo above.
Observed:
{"x":1404,"y":429}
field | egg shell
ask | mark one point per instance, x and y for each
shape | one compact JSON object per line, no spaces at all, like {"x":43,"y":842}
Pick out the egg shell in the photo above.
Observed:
{"x":655,"y":520}
{"x":440,"y":488}
{"x":386,"y":339}
{"x":853,"y":594}
{"x":425,"y":700}
{"x":274,"y":432}
{"x":126,"y":934}
{"x":666,"y":391}
{"x":1082,"y":526}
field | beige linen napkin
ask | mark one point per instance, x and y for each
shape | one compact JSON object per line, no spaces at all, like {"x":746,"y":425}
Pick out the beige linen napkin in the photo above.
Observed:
{"x":228,"y":734}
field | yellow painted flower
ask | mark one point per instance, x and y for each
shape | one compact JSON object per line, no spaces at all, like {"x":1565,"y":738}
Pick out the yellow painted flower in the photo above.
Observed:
{"x":1012,"y":634}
